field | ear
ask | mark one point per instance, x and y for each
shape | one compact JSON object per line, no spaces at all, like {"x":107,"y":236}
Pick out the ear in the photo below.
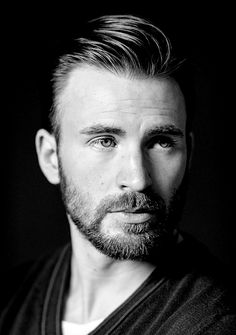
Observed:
{"x":46,"y":148}
{"x":190,"y":147}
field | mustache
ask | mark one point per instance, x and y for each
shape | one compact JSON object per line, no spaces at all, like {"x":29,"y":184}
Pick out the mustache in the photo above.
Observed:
{"x":133,"y":202}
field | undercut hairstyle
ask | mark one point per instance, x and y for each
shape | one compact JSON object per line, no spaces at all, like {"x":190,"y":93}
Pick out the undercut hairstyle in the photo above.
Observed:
{"x":124,"y":45}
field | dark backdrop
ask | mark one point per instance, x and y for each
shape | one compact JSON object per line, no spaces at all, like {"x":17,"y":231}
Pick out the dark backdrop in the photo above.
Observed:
{"x":33,"y":219}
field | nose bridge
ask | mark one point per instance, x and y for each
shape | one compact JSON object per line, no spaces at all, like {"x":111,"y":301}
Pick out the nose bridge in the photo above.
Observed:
{"x":133,"y":172}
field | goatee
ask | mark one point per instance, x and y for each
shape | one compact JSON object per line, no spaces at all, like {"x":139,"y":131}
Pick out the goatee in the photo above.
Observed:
{"x":137,"y":241}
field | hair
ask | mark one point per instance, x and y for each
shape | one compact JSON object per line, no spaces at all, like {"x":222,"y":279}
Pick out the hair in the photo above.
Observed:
{"x":122,"y":44}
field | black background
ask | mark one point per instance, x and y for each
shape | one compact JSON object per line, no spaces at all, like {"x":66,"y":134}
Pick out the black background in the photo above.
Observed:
{"x":33,"y":219}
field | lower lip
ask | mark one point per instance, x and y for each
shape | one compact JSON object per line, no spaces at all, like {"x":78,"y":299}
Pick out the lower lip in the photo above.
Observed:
{"x":133,"y":217}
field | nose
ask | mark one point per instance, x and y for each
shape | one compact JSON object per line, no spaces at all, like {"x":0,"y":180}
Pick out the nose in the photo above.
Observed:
{"x":133,"y":174}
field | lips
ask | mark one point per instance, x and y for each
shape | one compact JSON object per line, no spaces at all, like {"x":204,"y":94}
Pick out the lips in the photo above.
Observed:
{"x":134,"y":211}
{"x":133,"y":216}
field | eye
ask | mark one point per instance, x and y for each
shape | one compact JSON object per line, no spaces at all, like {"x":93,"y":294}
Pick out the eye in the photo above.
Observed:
{"x":103,"y":143}
{"x":164,"y":142}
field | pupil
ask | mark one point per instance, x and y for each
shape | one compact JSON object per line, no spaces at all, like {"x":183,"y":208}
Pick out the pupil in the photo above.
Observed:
{"x":106,"y":142}
{"x":164,"y":144}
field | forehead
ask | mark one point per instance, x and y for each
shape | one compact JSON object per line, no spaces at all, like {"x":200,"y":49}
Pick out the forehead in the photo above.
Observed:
{"x":91,"y":94}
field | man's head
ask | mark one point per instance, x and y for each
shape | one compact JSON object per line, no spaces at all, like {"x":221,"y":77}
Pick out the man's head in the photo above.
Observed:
{"x":119,"y":141}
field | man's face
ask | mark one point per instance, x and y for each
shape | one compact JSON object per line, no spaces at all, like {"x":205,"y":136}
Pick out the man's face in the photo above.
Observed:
{"x":122,"y":159}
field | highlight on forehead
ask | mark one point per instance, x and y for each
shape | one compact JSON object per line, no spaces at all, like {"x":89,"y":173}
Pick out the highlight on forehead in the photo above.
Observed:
{"x":99,"y":128}
{"x":163,"y":104}
{"x":120,"y":44}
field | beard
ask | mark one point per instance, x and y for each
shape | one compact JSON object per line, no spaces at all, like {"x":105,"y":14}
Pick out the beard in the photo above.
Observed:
{"x":131,"y":241}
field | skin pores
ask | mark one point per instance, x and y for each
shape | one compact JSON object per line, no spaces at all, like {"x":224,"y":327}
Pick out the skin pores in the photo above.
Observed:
{"x":120,"y":136}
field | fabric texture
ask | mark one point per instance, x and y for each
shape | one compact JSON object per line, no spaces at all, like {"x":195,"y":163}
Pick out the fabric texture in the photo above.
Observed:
{"x":186,"y":294}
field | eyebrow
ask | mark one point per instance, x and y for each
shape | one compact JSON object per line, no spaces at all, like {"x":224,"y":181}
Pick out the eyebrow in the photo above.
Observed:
{"x":97,"y":129}
{"x":171,"y":130}
{"x":101,"y":129}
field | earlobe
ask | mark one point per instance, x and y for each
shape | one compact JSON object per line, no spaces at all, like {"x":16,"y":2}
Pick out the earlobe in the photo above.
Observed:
{"x":46,"y":148}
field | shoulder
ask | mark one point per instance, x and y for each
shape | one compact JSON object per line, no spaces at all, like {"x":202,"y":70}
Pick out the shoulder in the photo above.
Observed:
{"x":196,"y":259}
{"x":12,"y":279}
{"x":19,"y":280}
{"x":202,"y":289}
{"x":194,"y":265}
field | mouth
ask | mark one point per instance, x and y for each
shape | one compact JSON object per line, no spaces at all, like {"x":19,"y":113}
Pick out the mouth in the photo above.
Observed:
{"x":134,"y":211}
{"x":131,"y":216}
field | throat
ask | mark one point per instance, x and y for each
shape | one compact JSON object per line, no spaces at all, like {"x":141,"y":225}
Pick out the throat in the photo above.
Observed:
{"x":95,"y":295}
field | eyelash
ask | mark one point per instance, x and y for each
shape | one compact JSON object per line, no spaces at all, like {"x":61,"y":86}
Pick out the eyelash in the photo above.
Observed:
{"x":99,"y":140}
{"x":165,"y":142}
{"x":168,"y":142}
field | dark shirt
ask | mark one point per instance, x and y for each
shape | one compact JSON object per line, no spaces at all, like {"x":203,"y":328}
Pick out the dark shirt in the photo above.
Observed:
{"x":187,"y":294}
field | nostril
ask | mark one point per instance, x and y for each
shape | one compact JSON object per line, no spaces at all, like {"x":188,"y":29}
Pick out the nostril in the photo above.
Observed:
{"x":134,"y":177}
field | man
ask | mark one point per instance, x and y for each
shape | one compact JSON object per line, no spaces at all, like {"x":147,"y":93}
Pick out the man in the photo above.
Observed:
{"x":120,"y":148}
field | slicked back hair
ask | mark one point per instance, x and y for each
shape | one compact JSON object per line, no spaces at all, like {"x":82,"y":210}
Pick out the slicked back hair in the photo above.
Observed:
{"x":121,"y":44}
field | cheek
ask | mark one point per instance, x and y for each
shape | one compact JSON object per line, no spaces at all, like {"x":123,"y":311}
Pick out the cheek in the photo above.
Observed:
{"x":167,"y":174}
{"x":84,"y":171}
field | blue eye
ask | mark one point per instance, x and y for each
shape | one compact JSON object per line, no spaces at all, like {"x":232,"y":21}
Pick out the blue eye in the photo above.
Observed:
{"x":107,"y":142}
{"x":104,"y":143}
{"x":164,"y":142}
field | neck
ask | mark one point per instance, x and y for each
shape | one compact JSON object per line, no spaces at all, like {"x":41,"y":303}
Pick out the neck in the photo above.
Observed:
{"x":99,"y":284}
